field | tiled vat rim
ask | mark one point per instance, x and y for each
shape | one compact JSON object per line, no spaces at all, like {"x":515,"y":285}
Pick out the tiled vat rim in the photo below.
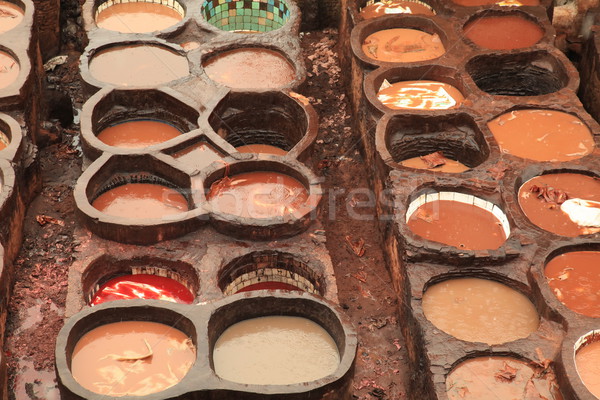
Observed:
{"x":462,"y":198}
{"x":169,"y":3}
{"x":221,"y":17}
{"x":204,"y":323}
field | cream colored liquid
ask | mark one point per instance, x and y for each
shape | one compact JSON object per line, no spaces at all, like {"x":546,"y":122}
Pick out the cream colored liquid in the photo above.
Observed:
{"x":480,"y":310}
{"x":11,"y":15}
{"x":139,"y":17}
{"x":275,"y":350}
{"x":587,"y":360}
{"x":403,"y":45}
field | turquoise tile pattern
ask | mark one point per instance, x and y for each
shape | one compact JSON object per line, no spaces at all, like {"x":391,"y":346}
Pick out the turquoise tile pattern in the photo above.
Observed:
{"x":246,"y":15}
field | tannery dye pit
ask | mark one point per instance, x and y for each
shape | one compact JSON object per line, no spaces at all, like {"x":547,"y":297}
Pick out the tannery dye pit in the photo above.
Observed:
{"x":303,"y":200}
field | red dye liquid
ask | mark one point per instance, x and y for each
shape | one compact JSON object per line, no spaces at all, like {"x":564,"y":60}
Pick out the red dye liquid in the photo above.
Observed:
{"x":143,"y":286}
{"x":269,"y":286}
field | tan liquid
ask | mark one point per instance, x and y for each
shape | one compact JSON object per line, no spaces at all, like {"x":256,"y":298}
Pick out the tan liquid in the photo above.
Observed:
{"x":403,"y":45}
{"x":480,"y":310}
{"x":503,"y":33}
{"x":420,"y":95}
{"x":200,"y":155}
{"x":9,"y":70}
{"x":11,"y":15}
{"x":451,"y":166}
{"x":140,"y":17}
{"x":549,"y":216}
{"x":141,"y":200}
{"x":259,"y":195}
{"x":379,"y":9}
{"x":261,"y":148}
{"x":138,"y":134}
{"x":542,"y":135}
{"x":575,"y":279}
{"x":132,"y":358}
{"x":457,"y":224}
{"x":275,"y":350}
{"x":250,"y":68}
{"x":587,"y":360}
{"x":138,"y":65}
{"x":481,"y":379}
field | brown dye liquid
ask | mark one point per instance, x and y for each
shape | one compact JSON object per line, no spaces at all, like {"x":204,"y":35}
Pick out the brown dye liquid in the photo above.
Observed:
{"x":542,"y":135}
{"x":403,"y":45}
{"x":457,"y":224}
{"x":200,"y":155}
{"x":484,"y":378}
{"x":394,"y":7}
{"x":507,"y":3}
{"x":503,"y":33}
{"x":259,"y":195}
{"x":275,"y":350}
{"x":480,"y":310}
{"x":132,"y":358}
{"x":140,"y":17}
{"x":575,"y":279}
{"x":451,"y":166}
{"x":420,"y":95}
{"x":11,"y":15}
{"x":548,"y":215}
{"x":141,"y":200}
{"x":138,"y":134}
{"x":138,"y":65}
{"x":261,"y":148}
{"x":250,"y":68}
{"x":587,"y":360}
{"x":9,"y":70}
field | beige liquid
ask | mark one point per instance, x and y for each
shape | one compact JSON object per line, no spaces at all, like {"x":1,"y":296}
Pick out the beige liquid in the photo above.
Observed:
{"x":200,"y":155}
{"x":420,"y":95}
{"x":275,"y":350}
{"x":133,"y":358}
{"x":587,"y":360}
{"x":9,"y":70}
{"x":139,"y":17}
{"x":138,"y":65}
{"x":480,"y":310}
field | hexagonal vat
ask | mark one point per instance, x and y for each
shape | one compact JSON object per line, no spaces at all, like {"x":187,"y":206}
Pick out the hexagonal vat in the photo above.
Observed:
{"x":261,"y":199}
{"x":138,"y":16}
{"x":522,"y":74}
{"x":271,"y":123}
{"x":503,"y":30}
{"x":422,"y":88}
{"x":136,"y":199}
{"x":449,"y":218}
{"x":134,"y":64}
{"x":108,"y":278}
{"x":284,"y":365}
{"x":563,"y":202}
{"x":499,"y":375}
{"x":573,"y":275}
{"x":270,"y":270}
{"x":130,"y":121}
{"x":252,"y":16}
{"x":11,"y":15}
{"x":377,"y":42}
{"x":251,"y":68}
{"x":161,"y":341}
{"x":451,"y":143}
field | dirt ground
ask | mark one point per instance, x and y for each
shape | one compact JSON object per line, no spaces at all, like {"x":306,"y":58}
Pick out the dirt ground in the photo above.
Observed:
{"x":365,"y":291}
